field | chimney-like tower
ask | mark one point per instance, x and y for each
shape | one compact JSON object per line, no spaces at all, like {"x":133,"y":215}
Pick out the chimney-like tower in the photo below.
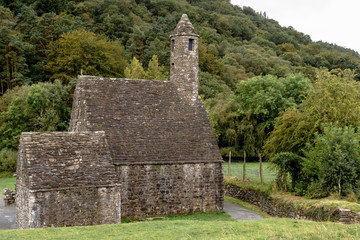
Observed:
{"x":184,"y":59}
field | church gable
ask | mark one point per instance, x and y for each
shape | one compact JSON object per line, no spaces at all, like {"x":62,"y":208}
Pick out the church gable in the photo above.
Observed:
{"x":134,"y":148}
{"x":145,"y":121}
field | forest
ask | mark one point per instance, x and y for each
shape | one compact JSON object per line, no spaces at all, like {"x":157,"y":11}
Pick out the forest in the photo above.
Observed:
{"x":268,"y":89}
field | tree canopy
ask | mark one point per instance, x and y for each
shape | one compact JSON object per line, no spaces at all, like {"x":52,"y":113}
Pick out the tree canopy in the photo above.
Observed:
{"x":251,"y":68}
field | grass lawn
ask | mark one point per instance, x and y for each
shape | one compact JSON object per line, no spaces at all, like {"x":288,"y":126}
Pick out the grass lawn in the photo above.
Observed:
{"x":196,"y":226}
{"x":252,"y":168}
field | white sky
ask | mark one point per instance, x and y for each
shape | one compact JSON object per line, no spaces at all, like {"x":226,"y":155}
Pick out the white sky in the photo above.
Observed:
{"x":331,"y":21}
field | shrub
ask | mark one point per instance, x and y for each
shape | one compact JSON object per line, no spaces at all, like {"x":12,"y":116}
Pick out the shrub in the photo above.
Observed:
{"x":332,"y":163}
{"x":8,"y":160}
{"x":287,"y":163}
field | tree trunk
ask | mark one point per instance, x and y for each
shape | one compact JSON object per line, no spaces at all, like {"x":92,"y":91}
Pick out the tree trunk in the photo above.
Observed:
{"x":14,"y":72}
{"x":8,"y":72}
{"x":229,"y":165}
{"x":2,"y":87}
{"x":261,"y":174}
{"x":244,"y":167}
{"x":339,"y":185}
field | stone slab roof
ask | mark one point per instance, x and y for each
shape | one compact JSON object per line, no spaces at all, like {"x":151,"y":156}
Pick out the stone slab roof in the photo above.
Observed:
{"x":184,"y":28}
{"x":145,"y":121}
{"x":49,"y":161}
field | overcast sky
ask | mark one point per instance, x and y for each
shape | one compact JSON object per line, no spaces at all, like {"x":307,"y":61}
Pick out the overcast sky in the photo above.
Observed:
{"x":331,"y":21}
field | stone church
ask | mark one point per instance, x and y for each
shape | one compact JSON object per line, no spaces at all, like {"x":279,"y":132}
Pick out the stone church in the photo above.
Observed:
{"x":134,"y":148}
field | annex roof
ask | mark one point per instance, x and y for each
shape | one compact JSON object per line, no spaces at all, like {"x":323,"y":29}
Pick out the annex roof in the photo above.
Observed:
{"x":62,"y":160}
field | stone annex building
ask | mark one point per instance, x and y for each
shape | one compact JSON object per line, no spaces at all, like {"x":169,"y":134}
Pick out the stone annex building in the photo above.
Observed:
{"x":134,"y":148}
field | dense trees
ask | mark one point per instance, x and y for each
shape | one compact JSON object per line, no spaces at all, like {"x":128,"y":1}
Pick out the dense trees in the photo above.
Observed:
{"x":322,"y":131}
{"x":260,"y":81}
{"x":245,"y":122}
{"x":41,"y":107}
{"x":237,"y":43}
{"x":83,"y":52}
{"x":334,"y":97}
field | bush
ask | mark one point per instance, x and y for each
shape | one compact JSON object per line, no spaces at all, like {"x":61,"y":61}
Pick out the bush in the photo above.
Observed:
{"x":8,"y":160}
{"x":287,"y":163}
{"x":332,"y":163}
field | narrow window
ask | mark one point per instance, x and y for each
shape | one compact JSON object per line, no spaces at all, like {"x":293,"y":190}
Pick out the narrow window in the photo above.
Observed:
{"x":172,"y":44}
{"x":191,"y":44}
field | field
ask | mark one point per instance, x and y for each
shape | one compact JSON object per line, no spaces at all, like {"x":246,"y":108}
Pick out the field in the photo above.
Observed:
{"x":252,"y":171}
{"x":196,"y":226}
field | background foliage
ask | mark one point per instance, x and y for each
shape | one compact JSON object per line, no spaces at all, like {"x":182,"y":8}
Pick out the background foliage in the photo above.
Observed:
{"x":261,"y":82}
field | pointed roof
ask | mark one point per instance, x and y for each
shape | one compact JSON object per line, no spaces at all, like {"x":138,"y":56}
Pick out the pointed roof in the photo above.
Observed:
{"x":145,"y":122}
{"x":184,"y":28}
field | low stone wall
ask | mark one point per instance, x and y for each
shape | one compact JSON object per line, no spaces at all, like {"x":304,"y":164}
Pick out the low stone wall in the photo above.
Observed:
{"x":170,"y":189}
{"x":280,"y":208}
{"x":9,"y":196}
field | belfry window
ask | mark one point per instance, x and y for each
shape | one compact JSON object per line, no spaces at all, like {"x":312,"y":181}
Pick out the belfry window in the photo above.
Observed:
{"x":191,"y":44}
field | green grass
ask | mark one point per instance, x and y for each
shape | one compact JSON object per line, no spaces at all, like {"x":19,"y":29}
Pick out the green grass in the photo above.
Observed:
{"x":194,"y":226}
{"x":202,"y":226}
{"x":237,"y":170}
{"x":7,"y":182}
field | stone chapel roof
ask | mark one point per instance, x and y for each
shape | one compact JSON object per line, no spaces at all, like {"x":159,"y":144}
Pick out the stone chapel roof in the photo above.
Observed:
{"x":184,"y":28}
{"x":145,"y":121}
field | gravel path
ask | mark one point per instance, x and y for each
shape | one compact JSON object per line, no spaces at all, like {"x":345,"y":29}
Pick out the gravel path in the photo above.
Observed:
{"x":239,"y":213}
{"x":7,"y":216}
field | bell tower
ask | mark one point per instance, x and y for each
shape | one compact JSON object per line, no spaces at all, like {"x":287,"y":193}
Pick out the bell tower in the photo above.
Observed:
{"x":184,"y":59}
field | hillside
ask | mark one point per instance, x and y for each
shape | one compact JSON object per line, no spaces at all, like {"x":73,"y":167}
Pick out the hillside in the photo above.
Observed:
{"x":46,"y":44}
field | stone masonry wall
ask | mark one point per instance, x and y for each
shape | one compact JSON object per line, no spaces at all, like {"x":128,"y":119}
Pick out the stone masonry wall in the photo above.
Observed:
{"x":171,"y":189}
{"x":66,"y":179}
{"x":68,"y":207}
{"x":184,"y":60}
{"x":184,"y":67}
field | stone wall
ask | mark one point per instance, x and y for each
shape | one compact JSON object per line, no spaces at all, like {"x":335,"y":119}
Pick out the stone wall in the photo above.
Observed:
{"x":66,"y":179}
{"x":68,"y":207}
{"x":8,"y":196}
{"x":171,"y":189}
{"x":280,"y":208}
